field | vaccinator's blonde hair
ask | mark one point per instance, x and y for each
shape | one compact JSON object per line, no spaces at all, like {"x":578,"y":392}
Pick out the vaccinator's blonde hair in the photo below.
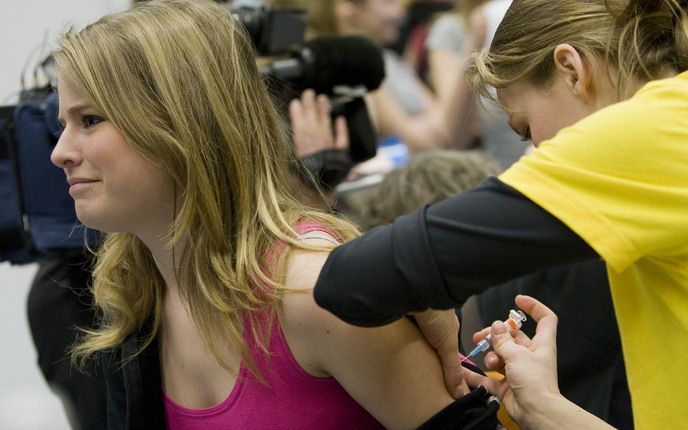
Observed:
{"x":638,"y":40}
{"x":178,"y":79}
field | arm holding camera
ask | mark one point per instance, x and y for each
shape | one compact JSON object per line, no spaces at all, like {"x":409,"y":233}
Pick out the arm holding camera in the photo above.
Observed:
{"x":320,"y":147}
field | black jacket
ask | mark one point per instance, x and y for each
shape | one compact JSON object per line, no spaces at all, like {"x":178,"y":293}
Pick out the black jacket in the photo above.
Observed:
{"x":134,"y":387}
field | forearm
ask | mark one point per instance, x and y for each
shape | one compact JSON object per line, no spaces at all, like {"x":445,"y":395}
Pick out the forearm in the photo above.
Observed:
{"x":439,"y":256}
{"x":562,"y":414}
{"x":490,"y":235}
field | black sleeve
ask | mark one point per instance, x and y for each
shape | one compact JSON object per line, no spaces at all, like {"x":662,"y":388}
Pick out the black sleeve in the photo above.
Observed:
{"x":476,"y":410}
{"x":134,"y":386}
{"x":440,"y":255}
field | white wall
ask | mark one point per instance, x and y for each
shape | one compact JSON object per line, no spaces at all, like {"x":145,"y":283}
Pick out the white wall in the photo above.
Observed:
{"x":28,"y":28}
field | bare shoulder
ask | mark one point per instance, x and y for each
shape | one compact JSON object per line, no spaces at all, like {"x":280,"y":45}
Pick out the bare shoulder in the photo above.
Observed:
{"x":376,"y":366}
{"x":303,"y":266}
{"x":303,"y":322}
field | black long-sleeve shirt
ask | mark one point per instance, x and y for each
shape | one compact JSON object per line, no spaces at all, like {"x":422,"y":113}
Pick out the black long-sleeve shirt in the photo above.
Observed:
{"x":438,"y":256}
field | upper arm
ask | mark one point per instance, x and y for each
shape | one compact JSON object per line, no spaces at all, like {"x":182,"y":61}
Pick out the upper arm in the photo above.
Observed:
{"x":439,"y":256}
{"x":390,"y":370}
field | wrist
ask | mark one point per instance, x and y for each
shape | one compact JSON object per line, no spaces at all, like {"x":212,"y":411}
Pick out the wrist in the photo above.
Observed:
{"x":558,"y":412}
{"x":545,"y":411}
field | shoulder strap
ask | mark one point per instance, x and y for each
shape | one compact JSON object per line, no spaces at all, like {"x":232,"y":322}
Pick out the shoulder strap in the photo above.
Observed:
{"x":318,"y":234}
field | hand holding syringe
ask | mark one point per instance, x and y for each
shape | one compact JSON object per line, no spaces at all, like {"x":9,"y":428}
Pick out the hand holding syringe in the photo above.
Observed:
{"x":514,"y":322}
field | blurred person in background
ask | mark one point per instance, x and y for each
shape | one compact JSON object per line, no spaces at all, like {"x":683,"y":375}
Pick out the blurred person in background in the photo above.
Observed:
{"x":446,"y":59}
{"x":404,"y":107}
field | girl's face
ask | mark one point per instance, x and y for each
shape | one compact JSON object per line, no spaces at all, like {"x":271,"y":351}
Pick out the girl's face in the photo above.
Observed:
{"x":538,"y":113}
{"x":115,"y":189}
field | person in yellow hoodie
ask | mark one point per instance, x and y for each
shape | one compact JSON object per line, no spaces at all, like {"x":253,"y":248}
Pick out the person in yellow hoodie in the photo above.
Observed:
{"x":601,"y":88}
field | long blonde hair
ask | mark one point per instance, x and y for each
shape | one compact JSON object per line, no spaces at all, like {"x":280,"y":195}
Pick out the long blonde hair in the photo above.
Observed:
{"x":178,"y":79}
{"x":640,"y":39}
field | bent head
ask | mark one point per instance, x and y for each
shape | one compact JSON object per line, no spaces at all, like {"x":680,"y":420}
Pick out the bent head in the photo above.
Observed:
{"x":562,"y":60}
{"x":175,"y":85}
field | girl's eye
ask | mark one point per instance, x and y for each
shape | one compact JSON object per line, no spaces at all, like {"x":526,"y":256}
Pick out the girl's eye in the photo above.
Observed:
{"x":90,"y":120}
{"x":526,"y":135}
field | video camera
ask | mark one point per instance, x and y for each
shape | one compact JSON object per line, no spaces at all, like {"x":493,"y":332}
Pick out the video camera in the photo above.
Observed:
{"x":274,"y":31}
{"x":344,"y":68}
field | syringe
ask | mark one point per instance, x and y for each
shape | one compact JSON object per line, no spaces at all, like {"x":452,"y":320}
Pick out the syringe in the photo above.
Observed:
{"x":514,"y":322}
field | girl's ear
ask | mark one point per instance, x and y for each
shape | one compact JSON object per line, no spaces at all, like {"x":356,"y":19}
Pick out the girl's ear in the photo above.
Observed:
{"x":576,"y":70}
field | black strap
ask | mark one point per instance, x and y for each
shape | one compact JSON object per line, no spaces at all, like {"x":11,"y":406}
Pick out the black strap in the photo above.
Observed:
{"x":475,"y":411}
{"x":134,"y":387}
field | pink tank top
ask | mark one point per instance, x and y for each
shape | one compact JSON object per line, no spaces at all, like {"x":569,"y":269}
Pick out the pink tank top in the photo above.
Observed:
{"x":290,"y":399}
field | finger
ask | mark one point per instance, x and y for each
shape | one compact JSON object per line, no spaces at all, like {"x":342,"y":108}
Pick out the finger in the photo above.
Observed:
{"x":521,"y":338}
{"x":480,"y":335}
{"x":448,"y":351}
{"x":533,"y":307}
{"x":494,"y":362}
{"x":441,"y":330}
{"x":453,"y":374}
{"x":502,"y":341}
{"x":308,"y":95}
{"x":475,"y":380}
{"x":341,"y":132}
{"x":295,"y":113}
{"x":546,"y":319}
{"x":324,"y":118}
{"x":309,"y":106}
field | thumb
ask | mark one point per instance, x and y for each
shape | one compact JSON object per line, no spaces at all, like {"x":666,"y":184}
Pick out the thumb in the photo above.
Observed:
{"x":502,"y":342}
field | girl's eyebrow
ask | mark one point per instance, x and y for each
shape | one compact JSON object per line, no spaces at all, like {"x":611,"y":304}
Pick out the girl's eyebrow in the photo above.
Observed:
{"x":73,"y":110}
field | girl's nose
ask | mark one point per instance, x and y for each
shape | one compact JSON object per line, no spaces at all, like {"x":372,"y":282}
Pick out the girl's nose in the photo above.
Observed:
{"x":65,"y":154}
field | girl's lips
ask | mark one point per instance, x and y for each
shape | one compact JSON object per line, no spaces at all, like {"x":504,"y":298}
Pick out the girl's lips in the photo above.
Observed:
{"x":74,"y":181}
{"x":76,"y":184}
